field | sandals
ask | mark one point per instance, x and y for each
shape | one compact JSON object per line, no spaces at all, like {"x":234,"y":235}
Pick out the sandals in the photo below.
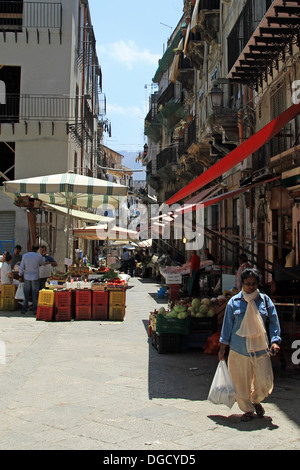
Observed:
{"x":247,"y":416}
{"x":259,"y":410}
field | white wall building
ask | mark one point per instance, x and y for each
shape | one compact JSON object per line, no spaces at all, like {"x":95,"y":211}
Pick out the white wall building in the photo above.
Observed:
{"x":50,"y":105}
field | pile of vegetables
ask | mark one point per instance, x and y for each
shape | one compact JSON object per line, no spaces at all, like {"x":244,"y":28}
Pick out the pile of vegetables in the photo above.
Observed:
{"x":202,"y":308}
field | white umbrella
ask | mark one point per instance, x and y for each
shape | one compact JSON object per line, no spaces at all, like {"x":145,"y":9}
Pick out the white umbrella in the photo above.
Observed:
{"x":99,"y":232}
{"x":67,"y":188}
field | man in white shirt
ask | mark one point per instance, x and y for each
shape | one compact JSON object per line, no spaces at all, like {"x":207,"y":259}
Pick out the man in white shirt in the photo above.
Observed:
{"x":29,"y":266}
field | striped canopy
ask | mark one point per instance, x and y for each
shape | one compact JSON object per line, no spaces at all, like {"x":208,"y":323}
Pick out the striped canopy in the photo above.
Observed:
{"x":99,"y":232}
{"x":67,"y":188}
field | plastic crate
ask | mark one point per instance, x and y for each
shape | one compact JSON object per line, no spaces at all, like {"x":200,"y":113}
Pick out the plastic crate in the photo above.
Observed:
{"x":195,"y":340}
{"x":63,"y":299}
{"x":100,"y":297}
{"x":63,"y":314}
{"x":83,"y":312}
{"x":168,"y":343}
{"x":8,"y":291}
{"x":204,"y":323}
{"x":172,"y":325}
{"x":100,"y":312}
{"x":117,"y":297}
{"x":174,"y":292}
{"x":8,"y":304}
{"x":116,"y":312}
{"x":83,"y":297}
{"x":44,"y":313}
{"x":46,"y":298}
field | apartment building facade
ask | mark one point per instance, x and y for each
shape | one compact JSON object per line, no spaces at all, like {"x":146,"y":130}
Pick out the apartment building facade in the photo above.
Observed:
{"x":235,"y":66}
{"x":52,"y":108}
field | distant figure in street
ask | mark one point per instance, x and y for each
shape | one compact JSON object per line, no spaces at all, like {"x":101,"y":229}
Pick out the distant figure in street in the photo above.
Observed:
{"x":29,"y":269}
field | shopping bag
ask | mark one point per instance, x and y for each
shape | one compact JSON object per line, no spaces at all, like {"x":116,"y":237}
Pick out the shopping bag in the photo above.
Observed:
{"x":20,"y":292}
{"x":222,"y":390}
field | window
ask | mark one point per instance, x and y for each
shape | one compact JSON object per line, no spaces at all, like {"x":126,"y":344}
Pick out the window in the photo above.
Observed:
{"x":9,"y":93}
{"x":11,"y":15}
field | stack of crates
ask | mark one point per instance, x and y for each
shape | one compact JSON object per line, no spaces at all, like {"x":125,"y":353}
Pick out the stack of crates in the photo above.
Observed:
{"x":83,"y":304}
{"x":100,"y":305}
{"x":45,"y":308}
{"x":63,"y":305}
{"x":117,"y":299}
{"x":8,"y":302}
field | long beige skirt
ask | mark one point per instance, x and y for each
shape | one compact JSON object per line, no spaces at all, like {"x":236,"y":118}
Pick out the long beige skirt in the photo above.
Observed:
{"x":252,"y":378}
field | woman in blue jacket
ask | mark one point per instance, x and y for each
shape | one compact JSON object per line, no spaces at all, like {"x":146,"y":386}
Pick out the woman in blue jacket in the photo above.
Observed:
{"x":244,"y":330}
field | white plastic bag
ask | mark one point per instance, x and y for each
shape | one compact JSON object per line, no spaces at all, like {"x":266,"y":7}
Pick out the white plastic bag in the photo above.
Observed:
{"x":222,"y":390}
{"x":20,"y":292}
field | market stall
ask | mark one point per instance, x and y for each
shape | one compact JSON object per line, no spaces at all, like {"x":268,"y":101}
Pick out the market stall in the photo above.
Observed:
{"x":189,"y":323}
{"x":83,"y":294}
{"x":176,"y":277}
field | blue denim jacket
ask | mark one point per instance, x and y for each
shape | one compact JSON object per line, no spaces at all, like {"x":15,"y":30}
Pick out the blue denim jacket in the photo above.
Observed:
{"x":234,"y":314}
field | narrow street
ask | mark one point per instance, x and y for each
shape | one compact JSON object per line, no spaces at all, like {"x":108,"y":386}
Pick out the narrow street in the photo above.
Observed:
{"x":102,"y":386}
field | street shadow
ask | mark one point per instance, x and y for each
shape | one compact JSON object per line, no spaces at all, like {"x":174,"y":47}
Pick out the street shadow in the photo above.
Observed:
{"x":234,"y":422}
{"x":155,"y":297}
{"x":187,"y":374}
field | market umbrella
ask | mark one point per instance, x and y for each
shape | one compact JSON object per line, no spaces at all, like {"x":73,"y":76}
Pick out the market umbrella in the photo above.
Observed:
{"x":99,"y":232}
{"x":69,"y":189}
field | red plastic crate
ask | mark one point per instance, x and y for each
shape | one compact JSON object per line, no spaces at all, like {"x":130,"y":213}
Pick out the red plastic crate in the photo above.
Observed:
{"x":100,"y":297}
{"x":83,"y":312}
{"x":174,"y":292}
{"x":100,"y":312}
{"x":63,"y":314}
{"x":63,"y":299}
{"x":83,"y":297}
{"x":44,"y":313}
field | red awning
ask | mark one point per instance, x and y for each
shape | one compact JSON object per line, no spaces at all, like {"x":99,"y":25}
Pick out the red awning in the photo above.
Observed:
{"x":222,"y":197}
{"x":239,"y":154}
{"x":191,"y":203}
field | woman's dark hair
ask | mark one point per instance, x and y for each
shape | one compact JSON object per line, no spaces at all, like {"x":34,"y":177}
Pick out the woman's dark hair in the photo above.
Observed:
{"x":8,"y":257}
{"x":250,"y":272}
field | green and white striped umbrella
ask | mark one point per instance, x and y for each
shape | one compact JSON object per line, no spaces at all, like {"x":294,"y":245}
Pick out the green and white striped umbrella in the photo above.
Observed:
{"x":67,"y":188}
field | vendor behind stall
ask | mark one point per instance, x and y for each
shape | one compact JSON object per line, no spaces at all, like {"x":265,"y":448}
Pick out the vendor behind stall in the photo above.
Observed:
{"x":194,"y":288}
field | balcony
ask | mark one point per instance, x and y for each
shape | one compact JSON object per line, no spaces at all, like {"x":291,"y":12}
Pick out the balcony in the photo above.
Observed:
{"x":18,"y":16}
{"x":185,"y":74}
{"x":256,"y":50}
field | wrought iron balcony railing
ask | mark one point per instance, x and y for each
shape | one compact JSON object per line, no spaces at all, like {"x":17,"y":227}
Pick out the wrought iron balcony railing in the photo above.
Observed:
{"x":18,"y":107}
{"x":18,"y":16}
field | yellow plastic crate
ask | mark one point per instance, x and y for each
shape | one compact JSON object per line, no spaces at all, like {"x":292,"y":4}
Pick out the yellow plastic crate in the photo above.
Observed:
{"x":116,"y":312}
{"x":9,"y":304}
{"x":46,"y":298}
{"x":117,"y":297}
{"x":8,"y":291}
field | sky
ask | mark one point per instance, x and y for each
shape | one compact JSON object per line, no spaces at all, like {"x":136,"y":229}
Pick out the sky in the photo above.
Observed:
{"x":131,"y":36}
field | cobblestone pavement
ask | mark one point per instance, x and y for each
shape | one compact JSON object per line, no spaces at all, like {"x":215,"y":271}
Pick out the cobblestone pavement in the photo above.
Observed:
{"x":101,"y":385}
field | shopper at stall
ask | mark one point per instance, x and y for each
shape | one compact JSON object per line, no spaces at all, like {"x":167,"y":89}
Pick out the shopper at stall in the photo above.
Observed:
{"x":194,"y":288}
{"x":125,"y":260}
{"x":247,"y":316}
{"x":29,"y":274}
{"x":46,"y":269}
{"x":243,"y":264}
{"x":16,"y":257}
{"x":6,"y":274}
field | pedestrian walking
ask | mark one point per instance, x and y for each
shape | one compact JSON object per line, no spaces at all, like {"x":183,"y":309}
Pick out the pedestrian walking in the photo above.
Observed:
{"x":45,"y":270}
{"x":29,"y":274}
{"x":248,"y":317}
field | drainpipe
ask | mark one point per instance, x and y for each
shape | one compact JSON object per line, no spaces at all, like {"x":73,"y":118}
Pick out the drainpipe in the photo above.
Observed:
{"x":82,"y":87}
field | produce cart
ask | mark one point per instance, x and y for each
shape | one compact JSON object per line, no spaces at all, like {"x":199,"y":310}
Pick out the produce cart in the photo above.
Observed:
{"x":188,"y":324}
{"x":82,"y":294}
